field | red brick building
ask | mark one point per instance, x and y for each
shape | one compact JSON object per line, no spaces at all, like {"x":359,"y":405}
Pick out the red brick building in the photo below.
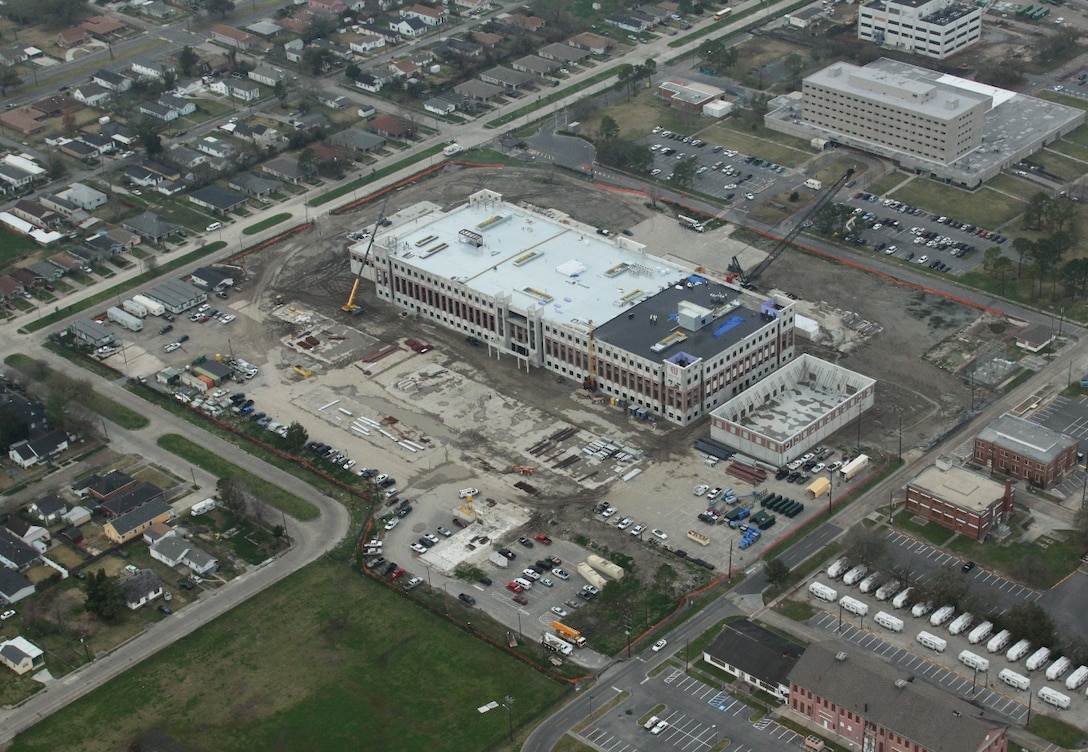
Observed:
{"x":882,"y":709}
{"x":958,"y":499}
{"x":1017,"y":447}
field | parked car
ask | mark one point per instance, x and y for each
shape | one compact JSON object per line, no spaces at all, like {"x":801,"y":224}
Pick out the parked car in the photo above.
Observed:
{"x":466,"y":598}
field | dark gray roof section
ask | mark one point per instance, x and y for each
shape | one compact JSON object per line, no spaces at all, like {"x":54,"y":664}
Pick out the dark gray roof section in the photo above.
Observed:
{"x":913,"y":709}
{"x":151,"y":225}
{"x":11,"y":583}
{"x":756,"y":651}
{"x":138,"y":496}
{"x":635,"y":333}
{"x":139,"y":516}
{"x":15,"y":551}
{"x":222,"y":199}
{"x":1026,"y":438}
{"x":140,"y":585}
{"x":175,"y":293}
{"x":104,"y":485}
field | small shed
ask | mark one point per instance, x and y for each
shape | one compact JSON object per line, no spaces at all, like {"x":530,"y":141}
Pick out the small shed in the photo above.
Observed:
{"x":818,"y":487}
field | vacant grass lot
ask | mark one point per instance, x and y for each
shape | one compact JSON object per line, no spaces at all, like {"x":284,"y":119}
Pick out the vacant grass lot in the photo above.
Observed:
{"x":982,"y":208}
{"x":104,"y":406}
{"x":262,"y":489}
{"x":1070,"y":149}
{"x":930,"y":531}
{"x":1056,"y":164}
{"x":264,"y":224}
{"x":1057,"y":558}
{"x":14,"y":247}
{"x":325,"y":660}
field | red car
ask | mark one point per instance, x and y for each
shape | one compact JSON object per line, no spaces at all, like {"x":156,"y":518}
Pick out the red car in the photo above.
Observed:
{"x":397,"y":573}
{"x":513,"y":587}
{"x":521,"y":599}
{"x":543,"y":539}
{"x":458,"y":522}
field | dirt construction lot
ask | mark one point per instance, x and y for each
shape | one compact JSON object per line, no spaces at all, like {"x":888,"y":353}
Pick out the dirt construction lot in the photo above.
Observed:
{"x":454,"y":417}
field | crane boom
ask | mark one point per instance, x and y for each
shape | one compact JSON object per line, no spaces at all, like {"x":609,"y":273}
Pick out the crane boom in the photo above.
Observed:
{"x":747,"y":279}
{"x":350,"y":306}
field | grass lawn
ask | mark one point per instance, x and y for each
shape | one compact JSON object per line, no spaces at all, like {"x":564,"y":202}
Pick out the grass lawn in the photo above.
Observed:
{"x":320,"y":661}
{"x":1058,"y":558}
{"x":220,"y":468}
{"x":886,"y":183}
{"x":1057,"y":731}
{"x":1079,"y":136}
{"x":795,"y":610}
{"x":765,"y":144}
{"x":931,"y":532}
{"x":1013,"y":185}
{"x":983,"y":208}
{"x":1053,"y":96}
{"x":14,"y":247}
{"x":104,"y":406}
{"x":1056,"y":164}
{"x":569,"y":744}
{"x":264,"y":224}
{"x":1070,"y":149}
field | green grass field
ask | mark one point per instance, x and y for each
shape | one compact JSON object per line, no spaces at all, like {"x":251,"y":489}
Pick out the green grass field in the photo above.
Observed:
{"x":325,"y":660}
{"x":220,"y":468}
{"x":983,"y":208}
{"x":930,"y":531}
{"x":14,"y":247}
{"x":264,"y":224}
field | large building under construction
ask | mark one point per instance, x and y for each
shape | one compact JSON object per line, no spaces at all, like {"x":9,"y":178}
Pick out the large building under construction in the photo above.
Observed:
{"x":536,"y":285}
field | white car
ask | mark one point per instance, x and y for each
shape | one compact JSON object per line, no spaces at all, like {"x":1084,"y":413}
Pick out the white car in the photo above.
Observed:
{"x":655,"y":172}
{"x":560,"y":573}
{"x":558,"y":611}
{"x":418,"y":548}
{"x":818,"y":467}
{"x":637,"y":529}
{"x":392,"y":492}
{"x":750,"y":196}
{"x":608,"y":512}
{"x":392,"y":523}
{"x":172,"y":346}
{"x":7,"y":615}
{"x":227,"y":318}
{"x":658,"y":645}
{"x":658,"y":533}
{"x":713,"y":493}
{"x":661,"y":726}
{"x":701,"y":489}
{"x":625,"y":523}
{"x":431,"y":537}
{"x":531,"y":574}
{"x":730,"y":186}
{"x":922,"y":259}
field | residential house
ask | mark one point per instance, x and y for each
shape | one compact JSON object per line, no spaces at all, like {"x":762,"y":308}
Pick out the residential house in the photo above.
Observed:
{"x":132,"y":523}
{"x":242,"y":90}
{"x":72,"y":37}
{"x":157,"y":532}
{"x":507,"y":78}
{"x":264,"y":29}
{"x":92,"y":94}
{"x":391,"y":35}
{"x":13,"y":55}
{"x":525,"y":23}
{"x":487,"y":39}
{"x":159,"y":111}
{"x":367,"y":43}
{"x":428,"y":15}
{"x":174,"y":551}
{"x":178,"y":104}
{"x":119,"y":133}
{"x":47,"y":270}
{"x":48,"y":509}
{"x":84,"y":196}
{"x":259,"y":134}
{"x":102,"y":27}
{"x":103,"y":245}
{"x":410,"y":28}
{"x":285,"y":168}
{"x":755,"y":655}
{"x":77,"y":149}
{"x":67,"y":261}
{"x":536,"y":65}
{"x":293,"y":50}
{"x":124,"y":501}
{"x":141,"y":176}
{"x":358,"y":140}
{"x":128,"y":240}
{"x":477,"y":90}
{"x":151,"y":226}
{"x":444,"y":104}
{"x":35,"y":213}
{"x":185,"y":158}
{"x":473,"y":6}
{"x":10,"y":287}
{"x":14,"y":586}
{"x":15,"y":554}
{"x":232,"y":37}
{"x":627,"y":23}
{"x":15,"y":177}
{"x":595,"y":43}
{"x":152,"y":70}
{"x":564,"y":53}
{"x":77,"y":516}
{"x":392,"y":126}
{"x":56,"y":105}
{"x":463,"y":48}
{"x":29,"y":279}
{"x":157,"y":10}
{"x":369,"y":82}
{"x":35,"y":451}
{"x":25,"y":120}
{"x":101,"y":144}
{"x":21,"y":655}
{"x":140,"y":588}
{"x":267,"y":75}
{"x":35,"y":536}
{"x":216,"y":199}
{"x":215,"y":147}
{"x":337,"y":7}
{"x":253,"y":184}
{"x":90,"y":332}
{"x":115,"y":82}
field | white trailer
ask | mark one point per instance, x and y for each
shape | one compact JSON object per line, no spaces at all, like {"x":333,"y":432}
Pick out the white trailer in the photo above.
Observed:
{"x":999,"y":641}
{"x":837,"y":568}
{"x":887,"y":590}
{"x":1054,"y":697}
{"x":1018,"y":651}
{"x":854,"y":606}
{"x":932,"y":641}
{"x":960,"y":623}
{"x":854,"y":466}
{"x":1077,"y":678}
{"x":154,"y":307}
{"x":902,"y":598}
{"x":886,"y":620}
{"x":202,"y":507}
{"x":605,"y":567}
{"x":854,"y":575}
{"x":823,"y":592}
{"x":127,"y":320}
{"x":498,"y":560}
{"x":556,"y":644}
{"x":1058,"y":668}
{"x":1013,"y":679}
{"x":980,"y":633}
{"x":590,"y":576}
{"x":921,"y":608}
{"x":137,"y":310}
{"x":941,"y":615}
{"x":452,"y":149}
{"x":1037,"y":659}
{"x":868,"y":583}
{"x":973,"y":660}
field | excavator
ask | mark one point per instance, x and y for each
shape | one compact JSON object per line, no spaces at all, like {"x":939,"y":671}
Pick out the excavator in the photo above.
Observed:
{"x":350,"y":306}
{"x":747,"y":280}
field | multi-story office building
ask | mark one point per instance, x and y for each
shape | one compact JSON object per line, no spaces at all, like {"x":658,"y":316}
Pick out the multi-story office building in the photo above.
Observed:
{"x":960,"y":500}
{"x":934,"y":28}
{"x":535,"y":285}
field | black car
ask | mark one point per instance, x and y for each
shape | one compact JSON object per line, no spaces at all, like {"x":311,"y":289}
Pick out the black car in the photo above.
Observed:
{"x":183,"y":338}
{"x":388,"y":483}
{"x":165,"y":610}
{"x":425,"y":542}
{"x":782,"y":473}
{"x":467,"y":599}
{"x":525,"y":542}
{"x":389,"y":568}
{"x":166,"y":329}
{"x":486,"y":581}
{"x":185,"y":585}
{"x":968,"y":566}
{"x":508,"y":553}
{"x":404,"y":511}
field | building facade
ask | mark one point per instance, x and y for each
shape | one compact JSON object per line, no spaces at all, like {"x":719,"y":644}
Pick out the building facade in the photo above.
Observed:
{"x":933,"y":28}
{"x":1017,"y":447}
{"x":533,"y":284}
{"x":960,"y":500}
{"x":756,"y":656}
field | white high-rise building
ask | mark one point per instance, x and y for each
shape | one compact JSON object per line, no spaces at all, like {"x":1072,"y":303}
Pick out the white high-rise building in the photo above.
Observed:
{"x":933,"y":28}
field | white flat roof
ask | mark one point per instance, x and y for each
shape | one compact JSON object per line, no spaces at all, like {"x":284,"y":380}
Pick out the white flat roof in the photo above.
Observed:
{"x":556,"y":265}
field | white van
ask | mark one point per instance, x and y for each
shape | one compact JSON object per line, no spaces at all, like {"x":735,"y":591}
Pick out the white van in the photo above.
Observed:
{"x":464,"y":493}
{"x":214,"y":226}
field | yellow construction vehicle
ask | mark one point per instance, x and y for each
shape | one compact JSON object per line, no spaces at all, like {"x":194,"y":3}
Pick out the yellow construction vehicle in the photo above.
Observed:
{"x":350,"y":306}
{"x":303,"y":372}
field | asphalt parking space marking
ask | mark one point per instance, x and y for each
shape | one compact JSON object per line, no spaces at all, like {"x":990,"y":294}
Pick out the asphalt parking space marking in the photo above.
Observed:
{"x":722,"y":701}
{"x":762,"y":723}
{"x":687,"y":733}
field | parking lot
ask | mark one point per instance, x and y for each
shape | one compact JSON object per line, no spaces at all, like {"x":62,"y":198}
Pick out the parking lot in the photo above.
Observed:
{"x":698,"y":717}
{"x":1070,"y":417}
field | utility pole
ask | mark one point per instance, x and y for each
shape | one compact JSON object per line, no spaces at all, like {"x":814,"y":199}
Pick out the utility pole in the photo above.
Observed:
{"x":729,"y":571}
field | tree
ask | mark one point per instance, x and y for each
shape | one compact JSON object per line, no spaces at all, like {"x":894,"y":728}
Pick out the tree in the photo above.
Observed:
{"x":9,"y":79}
{"x":317,"y":60}
{"x":234,"y":493}
{"x":1023,"y":247}
{"x":867,"y":546}
{"x":1034,"y":212}
{"x":104,"y":597}
{"x":795,"y":66}
{"x":12,"y":426}
{"x":187,"y":60}
{"x":68,"y":122}
{"x":307,"y":161}
{"x":609,"y":129}
{"x":280,"y":90}
{"x":777,"y":571}
{"x":55,"y":164}
{"x":352,"y":71}
{"x":684,"y":173}
{"x":296,"y":437}
{"x":1030,"y":621}
{"x":223,"y":7}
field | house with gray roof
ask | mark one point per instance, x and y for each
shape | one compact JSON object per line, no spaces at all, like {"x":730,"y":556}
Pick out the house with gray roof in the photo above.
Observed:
{"x":21,"y":655}
{"x":217,"y":199}
{"x":1024,"y":449}
{"x":506,"y":77}
{"x":115,"y":82}
{"x":253,"y":184}
{"x":141,"y":588}
{"x":84,"y":196}
{"x":756,"y":656}
{"x":536,"y":65}
{"x":174,"y":551}
{"x":14,"y":586}
{"x":285,"y":168}
{"x":564,"y":53}
{"x":151,"y":226}
{"x":132,"y":523}
{"x":14,"y":553}
{"x":49,"y":271}
{"x":480,"y":91}
{"x":358,"y":140}
{"x":47,"y":509}
{"x":90,"y":332}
